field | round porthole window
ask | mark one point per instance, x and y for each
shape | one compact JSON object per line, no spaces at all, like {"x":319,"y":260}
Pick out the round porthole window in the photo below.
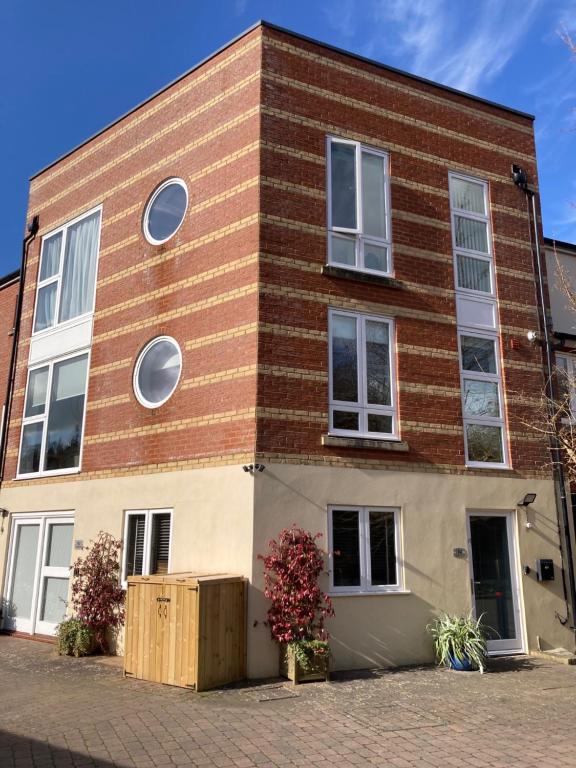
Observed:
{"x":157,"y":371}
{"x":165,"y":211}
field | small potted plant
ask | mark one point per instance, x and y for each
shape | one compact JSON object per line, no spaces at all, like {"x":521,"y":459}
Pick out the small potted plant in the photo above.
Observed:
{"x":298,"y":605}
{"x":459,"y":642}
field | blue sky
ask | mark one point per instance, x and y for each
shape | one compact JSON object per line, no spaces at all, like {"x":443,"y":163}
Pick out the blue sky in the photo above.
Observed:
{"x":69,"y":68}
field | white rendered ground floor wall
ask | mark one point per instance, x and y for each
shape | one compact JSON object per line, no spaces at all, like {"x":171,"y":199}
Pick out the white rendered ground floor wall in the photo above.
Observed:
{"x":223,"y":518}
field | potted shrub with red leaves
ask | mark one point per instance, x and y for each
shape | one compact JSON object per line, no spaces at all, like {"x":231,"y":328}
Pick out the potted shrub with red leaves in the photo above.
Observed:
{"x":298,"y":605}
{"x":97,"y":596}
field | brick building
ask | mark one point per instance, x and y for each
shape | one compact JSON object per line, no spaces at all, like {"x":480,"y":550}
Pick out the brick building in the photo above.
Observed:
{"x":8,"y":294}
{"x":299,"y":258}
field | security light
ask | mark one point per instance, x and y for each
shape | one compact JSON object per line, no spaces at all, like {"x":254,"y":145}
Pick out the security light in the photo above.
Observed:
{"x":529,"y":498}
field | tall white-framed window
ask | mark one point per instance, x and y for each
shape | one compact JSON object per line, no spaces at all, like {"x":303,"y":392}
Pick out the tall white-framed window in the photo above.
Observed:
{"x":358,"y":207}
{"x":471,"y":235}
{"x":566,"y":381}
{"x":147,"y":542}
{"x":482,"y":407}
{"x":54,"y":415}
{"x":365,"y":546}
{"x":362,"y":375}
{"x":67,"y":276}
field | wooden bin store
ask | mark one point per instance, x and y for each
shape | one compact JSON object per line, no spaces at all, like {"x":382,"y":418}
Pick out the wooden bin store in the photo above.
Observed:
{"x":186,"y":629}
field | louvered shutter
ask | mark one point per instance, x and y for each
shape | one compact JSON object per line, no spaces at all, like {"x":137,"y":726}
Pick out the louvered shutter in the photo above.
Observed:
{"x":135,"y":554}
{"x":160,"y":548}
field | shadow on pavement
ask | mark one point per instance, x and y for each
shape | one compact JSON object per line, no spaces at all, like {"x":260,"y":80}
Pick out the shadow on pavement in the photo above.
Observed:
{"x":22,"y":752}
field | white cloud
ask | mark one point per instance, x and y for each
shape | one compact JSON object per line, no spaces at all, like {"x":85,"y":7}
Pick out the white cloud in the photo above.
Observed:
{"x":464,"y":47}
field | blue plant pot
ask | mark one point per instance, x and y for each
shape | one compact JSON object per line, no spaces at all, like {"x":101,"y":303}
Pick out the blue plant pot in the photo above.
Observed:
{"x":464,"y":665}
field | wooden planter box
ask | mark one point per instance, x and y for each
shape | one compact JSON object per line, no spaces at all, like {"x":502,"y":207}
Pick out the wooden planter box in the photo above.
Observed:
{"x":290,"y":668}
{"x":186,"y":629}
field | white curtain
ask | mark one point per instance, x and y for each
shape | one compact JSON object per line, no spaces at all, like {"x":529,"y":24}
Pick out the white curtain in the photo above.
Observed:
{"x":473,"y":274}
{"x":45,"y":306}
{"x":50,"y":256}
{"x":79,"y":272}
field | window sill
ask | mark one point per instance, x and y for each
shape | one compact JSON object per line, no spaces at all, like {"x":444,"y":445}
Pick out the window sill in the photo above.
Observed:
{"x":54,"y":473}
{"x":372,"y":593}
{"x":339,"y":441}
{"x":331,"y":270}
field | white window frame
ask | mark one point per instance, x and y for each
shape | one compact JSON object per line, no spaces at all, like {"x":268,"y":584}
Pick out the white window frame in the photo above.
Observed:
{"x":360,"y":239}
{"x":45,"y":416}
{"x":457,"y":250}
{"x":366,"y":586}
{"x":493,"y":378}
{"x":362,"y":407}
{"x":148,"y":514}
{"x":57,"y":277}
{"x":160,"y":188}
{"x":567,"y":364}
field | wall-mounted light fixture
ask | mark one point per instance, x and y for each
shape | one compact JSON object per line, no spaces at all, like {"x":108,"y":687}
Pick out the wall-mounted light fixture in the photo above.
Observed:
{"x":529,"y":498}
{"x":254,"y":468}
{"x":3,"y":515}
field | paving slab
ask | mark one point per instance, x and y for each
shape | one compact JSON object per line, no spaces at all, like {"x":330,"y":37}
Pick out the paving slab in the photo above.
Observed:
{"x":58,"y":712}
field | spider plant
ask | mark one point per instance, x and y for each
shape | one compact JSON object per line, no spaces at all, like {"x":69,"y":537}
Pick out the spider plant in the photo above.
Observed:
{"x":460,"y":638}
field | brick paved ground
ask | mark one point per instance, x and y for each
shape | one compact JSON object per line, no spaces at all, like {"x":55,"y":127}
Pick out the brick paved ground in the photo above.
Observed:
{"x":66,"y":712}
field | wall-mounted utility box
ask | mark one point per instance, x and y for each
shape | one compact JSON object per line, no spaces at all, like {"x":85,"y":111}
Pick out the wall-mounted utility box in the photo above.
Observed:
{"x":186,"y":629}
{"x":545,"y":570}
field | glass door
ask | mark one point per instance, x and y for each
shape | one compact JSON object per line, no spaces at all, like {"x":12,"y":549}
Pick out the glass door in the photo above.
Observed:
{"x":39,"y":574}
{"x":20,"y":601}
{"x":494,"y":582}
{"x":54,"y":575}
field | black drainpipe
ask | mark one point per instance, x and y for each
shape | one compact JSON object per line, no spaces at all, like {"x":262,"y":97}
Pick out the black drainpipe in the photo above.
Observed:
{"x":521,"y":180}
{"x":33,"y":228}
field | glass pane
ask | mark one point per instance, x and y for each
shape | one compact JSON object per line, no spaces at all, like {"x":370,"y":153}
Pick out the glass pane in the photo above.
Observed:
{"x":167,"y":211}
{"x":346,"y":546}
{"x":375,"y":257}
{"x":45,"y":307}
{"x":159,"y":371}
{"x":20,"y":604}
{"x":471,"y":234}
{"x":492,"y":578}
{"x":382,"y":548}
{"x":484,"y":443}
{"x":468,"y":196}
{"x":79,"y":273}
{"x":50,"y":256}
{"x":66,"y":414}
{"x":54,"y":599}
{"x":160,"y":545}
{"x":36,"y":393}
{"x":343,"y":173}
{"x":478,"y":354}
{"x":377,"y":363}
{"x":481,"y":398}
{"x":30,"y":448}
{"x":373,"y":196}
{"x":135,"y":545}
{"x":345,"y":420}
{"x":473,"y":274}
{"x":564,"y":381}
{"x":344,"y":250}
{"x":379,"y":422}
{"x":344,"y":359}
{"x":59,"y":545}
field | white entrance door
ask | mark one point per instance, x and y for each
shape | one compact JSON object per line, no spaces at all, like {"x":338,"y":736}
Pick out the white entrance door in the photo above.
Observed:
{"x":41,"y":550}
{"x":495,"y":579}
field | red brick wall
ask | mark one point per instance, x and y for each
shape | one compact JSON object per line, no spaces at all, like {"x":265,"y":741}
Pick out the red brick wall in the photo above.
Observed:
{"x":247,"y":132}
{"x":199,"y":287}
{"x":8,"y":296}
{"x":308,"y":93}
